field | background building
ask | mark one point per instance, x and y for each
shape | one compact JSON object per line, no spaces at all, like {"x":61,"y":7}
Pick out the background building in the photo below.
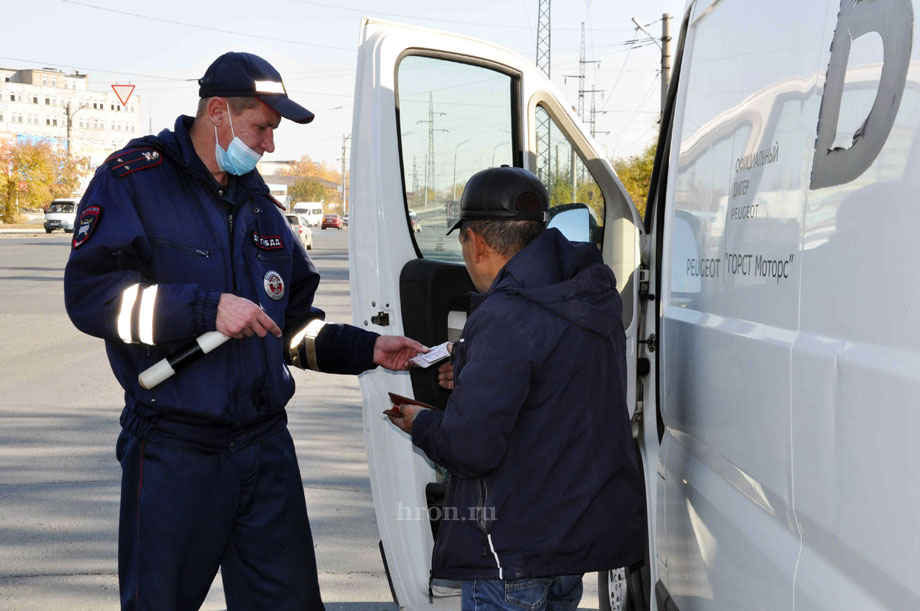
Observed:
{"x":35,"y":104}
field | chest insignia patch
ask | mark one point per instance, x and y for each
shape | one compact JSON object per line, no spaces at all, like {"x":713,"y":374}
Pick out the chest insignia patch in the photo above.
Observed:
{"x":86,"y":225}
{"x":267,"y":242}
{"x":274,"y":285}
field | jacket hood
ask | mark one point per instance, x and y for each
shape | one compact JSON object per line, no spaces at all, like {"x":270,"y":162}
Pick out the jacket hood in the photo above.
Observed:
{"x":567,"y":278}
{"x":177,"y":145}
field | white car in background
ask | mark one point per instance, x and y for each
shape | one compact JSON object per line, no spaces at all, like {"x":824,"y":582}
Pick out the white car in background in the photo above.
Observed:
{"x":300,"y":229}
{"x":61,"y":214}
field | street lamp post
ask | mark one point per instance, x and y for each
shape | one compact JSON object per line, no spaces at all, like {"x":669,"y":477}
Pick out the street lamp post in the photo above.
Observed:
{"x":70,"y":123}
{"x":454,"y":183}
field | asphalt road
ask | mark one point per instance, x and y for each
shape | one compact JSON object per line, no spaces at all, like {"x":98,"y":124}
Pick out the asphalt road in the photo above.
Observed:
{"x":59,"y":480}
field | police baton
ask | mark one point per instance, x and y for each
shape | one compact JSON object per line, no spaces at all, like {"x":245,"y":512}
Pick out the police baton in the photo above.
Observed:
{"x":166,"y":368}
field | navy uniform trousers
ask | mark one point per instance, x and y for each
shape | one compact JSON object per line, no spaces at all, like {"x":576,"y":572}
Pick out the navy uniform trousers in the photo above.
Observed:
{"x":186,"y":512}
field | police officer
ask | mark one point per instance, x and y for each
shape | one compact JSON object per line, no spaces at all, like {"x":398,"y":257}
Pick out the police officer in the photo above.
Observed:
{"x":177,"y":236}
{"x":545,"y":482}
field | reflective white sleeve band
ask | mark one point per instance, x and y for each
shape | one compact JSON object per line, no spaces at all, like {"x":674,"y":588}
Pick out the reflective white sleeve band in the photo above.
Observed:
{"x":128,"y":299}
{"x":313,"y":330}
{"x":145,"y":324}
{"x":155,"y":374}
{"x":499,"y":564}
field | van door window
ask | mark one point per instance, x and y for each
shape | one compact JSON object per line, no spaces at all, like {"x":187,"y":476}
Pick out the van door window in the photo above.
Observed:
{"x":454,"y":119}
{"x":565,"y":175}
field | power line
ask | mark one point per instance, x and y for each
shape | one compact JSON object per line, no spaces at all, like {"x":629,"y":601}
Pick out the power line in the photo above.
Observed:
{"x":206,"y":28}
{"x":432,"y":19}
{"x":87,"y":70}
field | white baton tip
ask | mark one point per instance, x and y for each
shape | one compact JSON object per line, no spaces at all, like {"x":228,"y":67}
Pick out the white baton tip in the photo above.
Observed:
{"x":211,"y":340}
{"x":155,"y":374}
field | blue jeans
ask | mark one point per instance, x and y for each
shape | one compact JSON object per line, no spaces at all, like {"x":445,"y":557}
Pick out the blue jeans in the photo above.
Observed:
{"x":531,"y":593}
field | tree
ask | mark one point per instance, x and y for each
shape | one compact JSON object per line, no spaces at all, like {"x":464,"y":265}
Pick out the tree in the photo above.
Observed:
{"x":636,"y":174}
{"x":45,"y":173}
{"x":307,"y":190}
{"x":306,"y":168}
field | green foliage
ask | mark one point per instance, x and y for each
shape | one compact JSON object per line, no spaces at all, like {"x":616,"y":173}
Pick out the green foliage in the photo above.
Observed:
{"x":636,"y":174}
{"x":45,"y":172}
{"x":586,"y":192}
{"x":307,"y":190}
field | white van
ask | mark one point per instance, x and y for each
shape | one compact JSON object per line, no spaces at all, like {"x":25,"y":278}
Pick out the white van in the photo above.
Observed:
{"x":312,"y":212}
{"x":61,"y":214}
{"x":773,"y":348}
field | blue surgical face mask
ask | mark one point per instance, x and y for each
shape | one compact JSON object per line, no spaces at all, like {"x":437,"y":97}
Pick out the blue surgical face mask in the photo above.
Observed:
{"x":238,"y":159}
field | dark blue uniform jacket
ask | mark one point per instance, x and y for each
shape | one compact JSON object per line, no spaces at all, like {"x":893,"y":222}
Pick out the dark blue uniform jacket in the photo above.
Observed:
{"x":156,"y":243}
{"x":545,"y":478}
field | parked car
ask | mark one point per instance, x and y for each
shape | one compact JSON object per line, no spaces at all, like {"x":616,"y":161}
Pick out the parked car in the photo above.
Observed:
{"x":332,"y":220}
{"x":61,"y":214}
{"x":311,"y":211}
{"x":413,"y":218}
{"x":301,"y":229}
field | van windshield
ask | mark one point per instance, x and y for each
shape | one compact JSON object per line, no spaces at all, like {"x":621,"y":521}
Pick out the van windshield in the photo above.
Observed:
{"x":61,"y":207}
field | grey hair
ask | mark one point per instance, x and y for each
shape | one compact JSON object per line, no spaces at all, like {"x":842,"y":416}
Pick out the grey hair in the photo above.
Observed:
{"x":507,"y":238}
{"x":238,"y":104}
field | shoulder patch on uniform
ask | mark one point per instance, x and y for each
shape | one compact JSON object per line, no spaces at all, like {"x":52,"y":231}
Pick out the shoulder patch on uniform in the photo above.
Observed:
{"x":129,"y":161}
{"x":86,"y":225}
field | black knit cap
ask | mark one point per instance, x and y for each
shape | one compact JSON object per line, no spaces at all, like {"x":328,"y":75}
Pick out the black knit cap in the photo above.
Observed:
{"x":246,"y":75}
{"x":505,"y":193}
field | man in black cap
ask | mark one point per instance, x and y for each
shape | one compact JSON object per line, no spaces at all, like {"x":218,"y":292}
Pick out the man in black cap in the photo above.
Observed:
{"x":544,"y":480}
{"x":178,"y":236}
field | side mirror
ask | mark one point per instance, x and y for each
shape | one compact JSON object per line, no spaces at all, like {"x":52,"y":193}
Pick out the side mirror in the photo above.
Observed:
{"x":572,"y":220}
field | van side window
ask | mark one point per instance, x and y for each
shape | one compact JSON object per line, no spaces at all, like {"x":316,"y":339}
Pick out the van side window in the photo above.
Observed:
{"x":454,"y":119}
{"x":564,"y":174}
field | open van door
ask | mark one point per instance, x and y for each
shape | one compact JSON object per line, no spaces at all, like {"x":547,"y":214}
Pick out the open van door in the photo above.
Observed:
{"x":431,"y":109}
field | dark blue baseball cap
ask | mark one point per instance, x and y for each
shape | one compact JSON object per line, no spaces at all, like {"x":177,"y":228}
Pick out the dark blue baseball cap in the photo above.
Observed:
{"x":246,"y":75}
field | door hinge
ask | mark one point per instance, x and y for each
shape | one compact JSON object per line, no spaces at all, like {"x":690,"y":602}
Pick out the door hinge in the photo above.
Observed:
{"x":651,"y":342}
{"x":381,"y":319}
{"x":644,"y":283}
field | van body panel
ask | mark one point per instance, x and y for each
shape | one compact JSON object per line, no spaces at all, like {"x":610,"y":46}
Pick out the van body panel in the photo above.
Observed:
{"x":786,"y":393}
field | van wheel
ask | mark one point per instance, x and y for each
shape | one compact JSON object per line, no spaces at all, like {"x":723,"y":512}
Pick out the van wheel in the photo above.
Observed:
{"x":47,"y":230}
{"x":310,"y":246}
{"x":612,"y":590}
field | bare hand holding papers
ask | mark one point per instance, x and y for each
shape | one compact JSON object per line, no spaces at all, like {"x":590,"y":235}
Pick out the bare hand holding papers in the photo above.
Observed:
{"x":434,"y":355}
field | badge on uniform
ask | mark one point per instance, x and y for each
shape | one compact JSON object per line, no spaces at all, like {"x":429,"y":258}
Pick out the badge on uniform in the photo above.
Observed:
{"x":267,"y":242}
{"x":86,"y":225}
{"x":274,"y":285}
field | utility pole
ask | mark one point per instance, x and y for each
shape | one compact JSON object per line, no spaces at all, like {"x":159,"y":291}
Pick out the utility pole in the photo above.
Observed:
{"x":70,"y":123}
{"x":665,"y":58}
{"x":665,"y":46}
{"x":344,"y":184}
{"x":414,"y":177}
{"x":544,"y":49}
{"x":430,"y":179}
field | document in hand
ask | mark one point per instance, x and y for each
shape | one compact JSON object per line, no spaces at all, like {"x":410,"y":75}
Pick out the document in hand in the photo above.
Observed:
{"x":434,"y":355}
{"x":401,"y":400}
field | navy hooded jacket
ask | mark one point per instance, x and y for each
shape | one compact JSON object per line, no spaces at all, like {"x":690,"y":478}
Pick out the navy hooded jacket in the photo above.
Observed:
{"x":156,"y":243}
{"x":545,"y":478}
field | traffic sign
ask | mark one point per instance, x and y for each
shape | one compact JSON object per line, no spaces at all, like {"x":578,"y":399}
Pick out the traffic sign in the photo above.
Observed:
{"x":123,"y":92}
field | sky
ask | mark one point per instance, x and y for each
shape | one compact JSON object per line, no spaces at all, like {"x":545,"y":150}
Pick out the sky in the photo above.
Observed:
{"x":164,"y":47}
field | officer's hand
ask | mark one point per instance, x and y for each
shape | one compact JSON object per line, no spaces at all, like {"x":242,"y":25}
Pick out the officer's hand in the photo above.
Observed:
{"x":446,"y":371}
{"x":394,"y":351}
{"x":406,"y":416}
{"x":238,"y":318}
